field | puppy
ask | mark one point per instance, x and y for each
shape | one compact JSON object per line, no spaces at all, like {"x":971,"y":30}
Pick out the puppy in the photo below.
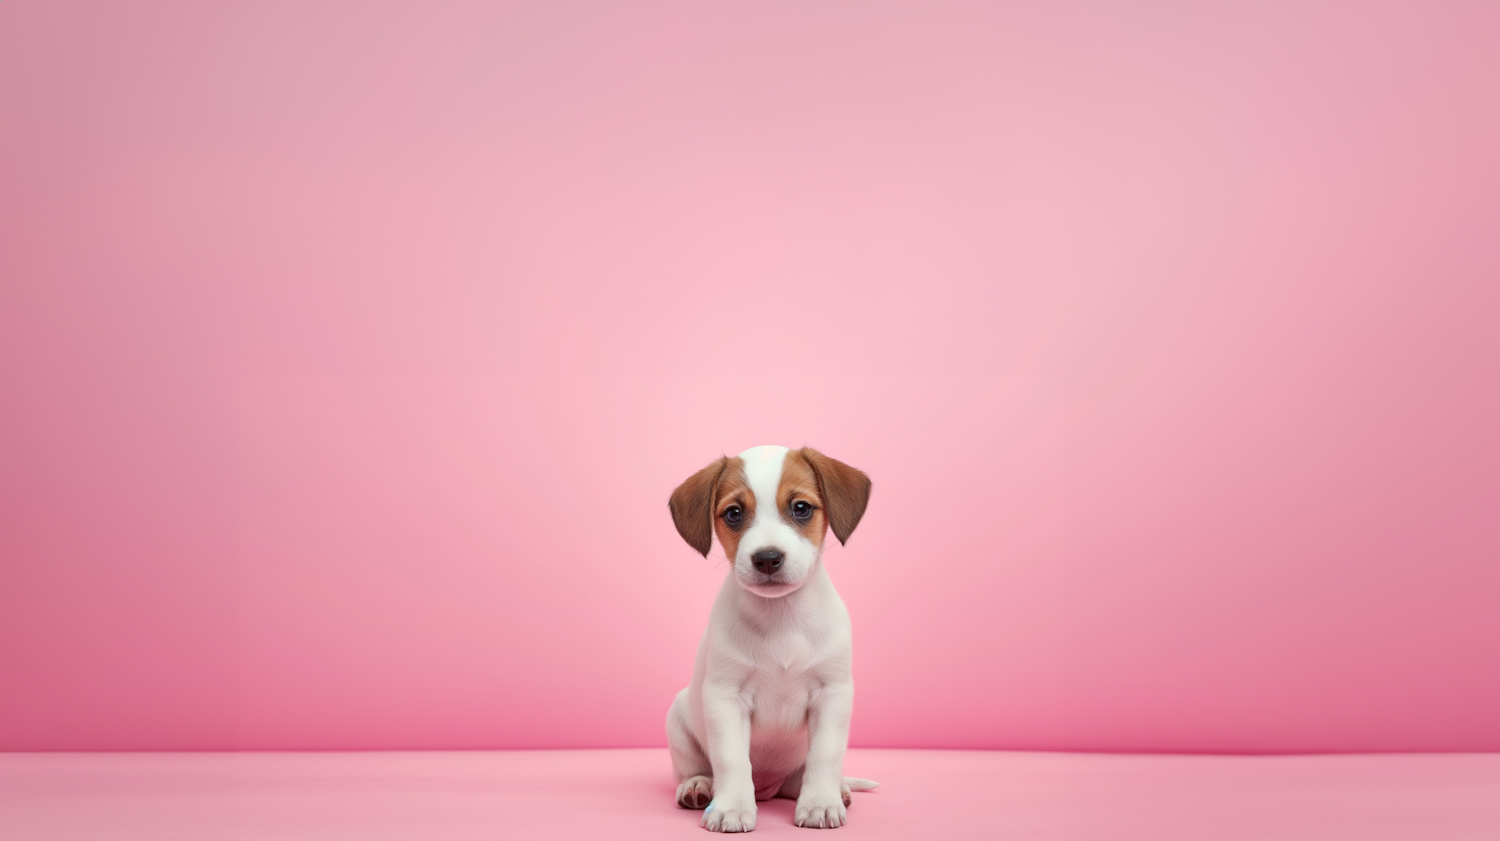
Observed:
{"x":767,"y":713}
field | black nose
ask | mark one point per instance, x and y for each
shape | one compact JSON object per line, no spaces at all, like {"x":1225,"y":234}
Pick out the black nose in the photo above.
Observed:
{"x":767,"y":560}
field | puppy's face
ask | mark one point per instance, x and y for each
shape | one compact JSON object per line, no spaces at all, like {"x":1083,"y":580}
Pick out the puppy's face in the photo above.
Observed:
{"x":770,"y":508}
{"x":770,"y":518}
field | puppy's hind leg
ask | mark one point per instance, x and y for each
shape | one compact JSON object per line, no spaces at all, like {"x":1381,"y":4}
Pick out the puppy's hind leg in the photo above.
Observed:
{"x":695,"y":785}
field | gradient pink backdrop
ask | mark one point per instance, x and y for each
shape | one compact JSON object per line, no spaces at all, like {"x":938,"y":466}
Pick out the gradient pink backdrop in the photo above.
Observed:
{"x":348,"y":354}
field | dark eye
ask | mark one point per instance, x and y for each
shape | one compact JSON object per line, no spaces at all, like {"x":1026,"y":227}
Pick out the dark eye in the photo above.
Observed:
{"x":733,"y":514}
{"x":801,"y":510}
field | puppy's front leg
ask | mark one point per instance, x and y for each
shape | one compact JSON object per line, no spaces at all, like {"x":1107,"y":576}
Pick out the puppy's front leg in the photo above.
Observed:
{"x":726,"y":718}
{"x":821,"y":803}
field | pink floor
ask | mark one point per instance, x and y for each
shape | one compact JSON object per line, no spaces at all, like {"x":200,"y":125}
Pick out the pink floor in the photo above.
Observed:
{"x":628,"y":794}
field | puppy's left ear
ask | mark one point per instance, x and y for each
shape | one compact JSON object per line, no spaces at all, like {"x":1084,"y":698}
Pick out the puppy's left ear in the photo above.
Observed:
{"x":692,"y":506}
{"x":846,"y":492}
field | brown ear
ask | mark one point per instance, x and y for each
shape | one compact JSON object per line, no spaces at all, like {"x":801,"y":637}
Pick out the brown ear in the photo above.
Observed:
{"x":692,"y":506}
{"x":846,"y":491}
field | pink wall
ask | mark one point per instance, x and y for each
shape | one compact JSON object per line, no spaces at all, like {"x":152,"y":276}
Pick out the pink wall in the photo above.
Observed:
{"x":349,"y":354}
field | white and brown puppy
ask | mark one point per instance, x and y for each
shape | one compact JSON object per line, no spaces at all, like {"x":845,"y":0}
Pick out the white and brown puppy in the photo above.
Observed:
{"x":767,"y":713}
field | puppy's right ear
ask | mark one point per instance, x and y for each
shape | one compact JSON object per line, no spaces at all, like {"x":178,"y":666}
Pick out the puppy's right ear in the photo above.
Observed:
{"x":692,"y":506}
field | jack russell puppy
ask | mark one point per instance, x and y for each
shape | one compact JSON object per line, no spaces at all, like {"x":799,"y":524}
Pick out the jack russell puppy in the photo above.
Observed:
{"x":767,"y":714}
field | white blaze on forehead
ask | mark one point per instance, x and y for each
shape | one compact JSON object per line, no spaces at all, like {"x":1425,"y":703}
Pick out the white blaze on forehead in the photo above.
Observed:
{"x":763,"y":474}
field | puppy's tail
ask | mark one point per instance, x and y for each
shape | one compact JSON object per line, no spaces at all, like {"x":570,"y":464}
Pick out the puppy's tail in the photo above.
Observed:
{"x":859,"y":784}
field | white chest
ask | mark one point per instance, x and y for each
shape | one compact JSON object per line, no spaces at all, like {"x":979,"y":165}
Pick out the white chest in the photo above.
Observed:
{"x":781,"y":685}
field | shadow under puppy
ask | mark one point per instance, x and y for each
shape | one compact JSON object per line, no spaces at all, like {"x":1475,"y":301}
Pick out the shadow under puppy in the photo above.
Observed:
{"x":767,"y":714}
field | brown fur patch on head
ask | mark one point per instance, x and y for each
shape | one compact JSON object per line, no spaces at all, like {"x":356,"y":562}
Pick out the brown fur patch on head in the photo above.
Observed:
{"x":799,"y":483}
{"x":733,"y":490}
{"x":845,"y":490}
{"x":698,"y":504}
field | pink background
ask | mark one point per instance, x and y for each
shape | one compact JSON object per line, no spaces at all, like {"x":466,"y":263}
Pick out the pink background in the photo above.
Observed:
{"x":348,"y":354}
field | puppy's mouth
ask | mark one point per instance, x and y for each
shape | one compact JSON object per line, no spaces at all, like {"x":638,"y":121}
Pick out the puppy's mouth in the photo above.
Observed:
{"x":771,"y":586}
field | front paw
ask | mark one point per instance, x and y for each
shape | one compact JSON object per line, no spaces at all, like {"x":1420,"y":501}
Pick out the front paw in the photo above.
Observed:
{"x":821,"y":812}
{"x":716,"y":819}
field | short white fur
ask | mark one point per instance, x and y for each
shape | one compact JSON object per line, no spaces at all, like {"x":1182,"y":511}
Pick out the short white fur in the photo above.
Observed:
{"x":767,"y":713}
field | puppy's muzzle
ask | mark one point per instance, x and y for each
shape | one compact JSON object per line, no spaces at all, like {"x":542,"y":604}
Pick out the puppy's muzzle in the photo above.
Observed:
{"x":767,"y":561}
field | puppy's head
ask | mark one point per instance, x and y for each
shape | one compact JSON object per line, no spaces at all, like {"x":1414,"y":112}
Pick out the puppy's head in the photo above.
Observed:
{"x":770,"y":508}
